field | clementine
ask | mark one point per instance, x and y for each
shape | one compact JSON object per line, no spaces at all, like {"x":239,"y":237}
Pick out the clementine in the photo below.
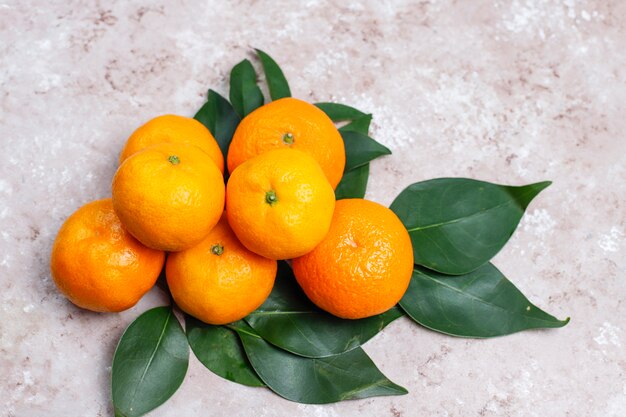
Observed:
{"x":290,"y":123}
{"x":364,"y":264}
{"x":170,"y":128}
{"x":169,"y":196}
{"x":219,"y":281}
{"x":279,"y":204}
{"x":98,"y":265}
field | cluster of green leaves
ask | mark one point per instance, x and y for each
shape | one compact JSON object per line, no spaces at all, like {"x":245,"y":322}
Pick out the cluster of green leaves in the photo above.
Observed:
{"x":304,"y":354}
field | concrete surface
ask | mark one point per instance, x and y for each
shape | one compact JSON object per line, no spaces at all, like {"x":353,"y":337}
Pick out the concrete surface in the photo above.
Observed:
{"x":504,"y":91}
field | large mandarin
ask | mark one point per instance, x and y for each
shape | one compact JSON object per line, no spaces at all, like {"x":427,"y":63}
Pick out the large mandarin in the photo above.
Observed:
{"x":364,"y":264}
{"x":169,"y":196}
{"x":294,"y":124}
{"x":170,"y":128}
{"x":279,"y":204}
{"x":219,"y":281}
{"x":98,"y":265}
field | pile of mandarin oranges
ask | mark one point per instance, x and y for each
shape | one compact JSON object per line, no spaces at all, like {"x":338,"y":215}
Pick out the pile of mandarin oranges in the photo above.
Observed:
{"x":218,"y":237}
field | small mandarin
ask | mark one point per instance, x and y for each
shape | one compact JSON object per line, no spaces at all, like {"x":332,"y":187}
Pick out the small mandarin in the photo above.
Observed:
{"x":279,"y":204}
{"x":219,"y":281}
{"x":364,"y":264}
{"x":293,"y":124}
{"x":98,"y":265}
{"x":169,"y":196}
{"x":170,"y":128}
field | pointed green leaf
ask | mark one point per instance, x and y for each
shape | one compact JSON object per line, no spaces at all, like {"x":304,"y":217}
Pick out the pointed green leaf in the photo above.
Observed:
{"x":290,"y":321}
{"x":347,"y":376}
{"x":360,"y":125}
{"x":245,"y":94}
{"x":340,"y":112}
{"x":360,"y":149}
{"x":458,"y":224}
{"x":150,"y":363}
{"x":220,"y":118}
{"x":276,"y":81}
{"x":353,"y":184}
{"x":482,"y":303}
{"x":220,"y":350}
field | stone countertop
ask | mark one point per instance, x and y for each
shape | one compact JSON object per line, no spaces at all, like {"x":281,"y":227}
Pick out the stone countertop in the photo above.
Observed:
{"x":511,"y":92}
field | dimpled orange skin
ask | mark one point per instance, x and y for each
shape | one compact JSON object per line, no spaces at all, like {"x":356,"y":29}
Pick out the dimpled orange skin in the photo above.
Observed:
{"x":169,"y":196}
{"x":312,"y":132}
{"x":299,"y":218}
{"x":98,"y":265}
{"x":170,"y":128}
{"x":219,"y":288}
{"x":363,"y":266}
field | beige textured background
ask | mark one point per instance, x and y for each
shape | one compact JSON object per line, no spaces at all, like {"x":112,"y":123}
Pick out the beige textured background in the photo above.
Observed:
{"x":505,"y":91}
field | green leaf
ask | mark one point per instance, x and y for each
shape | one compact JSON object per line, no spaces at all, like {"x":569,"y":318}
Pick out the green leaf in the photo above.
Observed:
{"x":150,"y":363}
{"x":482,"y":303}
{"x":290,"y":321}
{"x":353,"y":184}
{"x":245,"y":94}
{"x":360,"y":125}
{"x":347,"y":376}
{"x":360,"y":149}
{"x":274,"y":76}
{"x":220,"y":350}
{"x":339,"y":112}
{"x":458,"y":224}
{"x":220,"y":118}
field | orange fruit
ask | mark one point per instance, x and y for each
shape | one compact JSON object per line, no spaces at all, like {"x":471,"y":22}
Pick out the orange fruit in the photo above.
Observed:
{"x":279,"y":204}
{"x":169,"y":196}
{"x":219,"y":281}
{"x":98,"y":265}
{"x":290,"y":123}
{"x":170,"y":128}
{"x":364,"y":264}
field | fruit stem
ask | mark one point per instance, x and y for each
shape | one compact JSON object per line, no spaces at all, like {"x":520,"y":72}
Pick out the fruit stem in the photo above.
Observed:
{"x":271,"y":198}
{"x":288,"y":138}
{"x":217,"y":249}
{"x":174,"y":160}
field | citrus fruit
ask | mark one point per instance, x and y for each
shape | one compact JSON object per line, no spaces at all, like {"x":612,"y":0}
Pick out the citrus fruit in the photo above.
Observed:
{"x":98,"y":265}
{"x":170,"y":128}
{"x":219,"y":281}
{"x":364,"y":264}
{"x":279,"y":204}
{"x":290,"y":123}
{"x":169,"y":196}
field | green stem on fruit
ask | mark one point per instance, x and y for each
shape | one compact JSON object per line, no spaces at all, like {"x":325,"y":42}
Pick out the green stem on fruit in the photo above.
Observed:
{"x":271,"y":198}
{"x":217,"y":249}
{"x":288,"y":138}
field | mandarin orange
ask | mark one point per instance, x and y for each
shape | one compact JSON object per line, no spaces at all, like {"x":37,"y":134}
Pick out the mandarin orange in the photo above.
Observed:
{"x":170,"y":128}
{"x":219,"y":281}
{"x":279,"y":204}
{"x":98,"y":265}
{"x":364,"y":264}
{"x":294,"y":124}
{"x":169,"y":196}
